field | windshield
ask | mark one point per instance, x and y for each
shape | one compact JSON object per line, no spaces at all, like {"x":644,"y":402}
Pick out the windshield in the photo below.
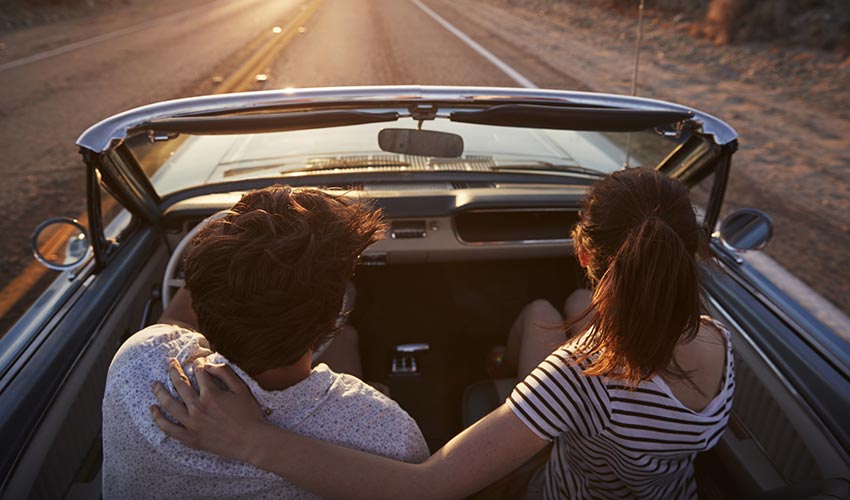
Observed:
{"x":187,"y":161}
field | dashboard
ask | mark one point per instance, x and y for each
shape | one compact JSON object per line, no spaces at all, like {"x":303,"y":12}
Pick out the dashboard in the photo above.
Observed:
{"x":444,"y":222}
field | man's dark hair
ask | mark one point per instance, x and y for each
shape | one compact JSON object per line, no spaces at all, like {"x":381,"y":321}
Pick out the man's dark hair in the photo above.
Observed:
{"x":267,"y":280}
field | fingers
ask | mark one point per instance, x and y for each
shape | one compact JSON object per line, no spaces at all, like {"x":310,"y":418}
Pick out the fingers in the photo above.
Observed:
{"x":174,"y":408}
{"x":169,"y":427}
{"x":206,"y":383}
{"x":181,"y":383}
{"x":225,"y":374}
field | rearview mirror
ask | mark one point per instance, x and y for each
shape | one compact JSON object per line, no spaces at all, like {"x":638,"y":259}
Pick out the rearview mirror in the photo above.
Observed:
{"x":420,"y":142}
{"x":746,"y":229}
{"x":60,"y":243}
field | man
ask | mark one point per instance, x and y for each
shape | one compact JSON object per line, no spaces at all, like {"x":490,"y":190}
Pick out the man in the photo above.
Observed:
{"x":265,"y":287}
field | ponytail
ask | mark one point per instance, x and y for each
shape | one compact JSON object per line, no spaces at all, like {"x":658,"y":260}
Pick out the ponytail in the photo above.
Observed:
{"x":644,"y":303}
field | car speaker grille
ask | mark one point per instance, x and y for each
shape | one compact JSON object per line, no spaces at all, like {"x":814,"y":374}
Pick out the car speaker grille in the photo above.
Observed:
{"x":767,"y":423}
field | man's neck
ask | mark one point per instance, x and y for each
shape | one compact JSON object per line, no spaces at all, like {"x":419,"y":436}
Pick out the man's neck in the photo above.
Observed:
{"x":278,"y":379}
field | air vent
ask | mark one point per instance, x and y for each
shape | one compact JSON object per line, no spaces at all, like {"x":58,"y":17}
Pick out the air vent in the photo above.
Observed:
{"x":336,"y":188}
{"x":409,"y":229}
{"x":402,"y":163}
{"x":457,"y":185}
{"x":372,"y":260}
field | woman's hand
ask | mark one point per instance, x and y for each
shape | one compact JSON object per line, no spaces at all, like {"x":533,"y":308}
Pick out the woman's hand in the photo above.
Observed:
{"x":215,"y":419}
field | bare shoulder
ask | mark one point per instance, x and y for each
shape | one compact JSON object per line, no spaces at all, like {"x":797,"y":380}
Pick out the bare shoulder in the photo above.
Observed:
{"x":703,"y":358}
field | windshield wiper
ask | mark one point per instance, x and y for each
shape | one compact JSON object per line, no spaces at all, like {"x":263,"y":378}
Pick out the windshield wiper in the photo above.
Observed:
{"x":321,"y":164}
{"x":250,"y":170}
{"x":543,"y":166}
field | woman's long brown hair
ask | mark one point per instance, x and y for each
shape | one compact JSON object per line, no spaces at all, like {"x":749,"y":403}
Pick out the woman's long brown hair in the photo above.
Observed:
{"x":639,"y":236}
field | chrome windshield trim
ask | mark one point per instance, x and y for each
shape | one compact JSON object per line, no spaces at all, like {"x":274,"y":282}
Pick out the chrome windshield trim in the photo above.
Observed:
{"x":111,"y":131}
{"x":554,"y":241}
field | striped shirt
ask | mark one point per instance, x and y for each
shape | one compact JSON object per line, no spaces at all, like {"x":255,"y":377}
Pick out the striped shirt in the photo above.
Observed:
{"x":612,"y":442}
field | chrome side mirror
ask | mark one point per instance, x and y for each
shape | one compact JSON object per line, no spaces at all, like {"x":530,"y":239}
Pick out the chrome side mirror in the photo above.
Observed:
{"x":746,"y":229}
{"x":61,"y":243}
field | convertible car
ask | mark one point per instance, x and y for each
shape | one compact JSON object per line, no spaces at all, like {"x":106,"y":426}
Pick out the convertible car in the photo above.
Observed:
{"x":480,"y":188}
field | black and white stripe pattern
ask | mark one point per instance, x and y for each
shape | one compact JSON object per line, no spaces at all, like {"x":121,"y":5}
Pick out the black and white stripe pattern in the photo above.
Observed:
{"x":612,"y":442}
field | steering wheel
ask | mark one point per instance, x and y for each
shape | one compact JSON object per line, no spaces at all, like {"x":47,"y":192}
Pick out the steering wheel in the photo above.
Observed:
{"x":170,"y":282}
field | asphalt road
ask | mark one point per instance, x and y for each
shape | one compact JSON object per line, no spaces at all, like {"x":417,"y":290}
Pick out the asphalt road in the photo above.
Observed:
{"x":60,"y":78}
{"x":385,"y":42}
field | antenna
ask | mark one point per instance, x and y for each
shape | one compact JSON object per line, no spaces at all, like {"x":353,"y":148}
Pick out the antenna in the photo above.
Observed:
{"x":635,"y":77}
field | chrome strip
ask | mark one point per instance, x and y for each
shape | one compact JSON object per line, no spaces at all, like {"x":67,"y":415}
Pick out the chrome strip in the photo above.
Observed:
{"x":770,"y":303}
{"x":521,"y":209}
{"x":727,"y":319}
{"x":111,"y":131}
{"x":560,"y":241}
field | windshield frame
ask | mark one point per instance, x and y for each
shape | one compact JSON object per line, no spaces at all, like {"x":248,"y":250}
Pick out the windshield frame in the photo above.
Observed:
{"x":107,"y":140}
{"x":110,"y":132}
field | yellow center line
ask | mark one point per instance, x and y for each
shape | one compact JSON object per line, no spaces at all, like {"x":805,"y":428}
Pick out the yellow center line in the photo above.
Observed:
{"x":240,"y":80}
{"x":243,"y":77}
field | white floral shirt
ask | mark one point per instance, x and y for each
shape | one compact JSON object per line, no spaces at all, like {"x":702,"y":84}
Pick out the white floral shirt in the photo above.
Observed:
{"x":140,"y":461}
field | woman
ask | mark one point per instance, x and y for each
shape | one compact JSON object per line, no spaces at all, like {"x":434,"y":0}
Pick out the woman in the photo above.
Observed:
{"x":628,"y":402}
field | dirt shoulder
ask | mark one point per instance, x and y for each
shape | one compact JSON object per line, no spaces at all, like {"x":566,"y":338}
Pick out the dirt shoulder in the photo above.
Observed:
{"x":790,"y":107}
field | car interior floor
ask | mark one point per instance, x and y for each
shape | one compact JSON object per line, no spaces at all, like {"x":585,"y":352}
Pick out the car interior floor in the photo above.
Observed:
{"x":461,"y":310}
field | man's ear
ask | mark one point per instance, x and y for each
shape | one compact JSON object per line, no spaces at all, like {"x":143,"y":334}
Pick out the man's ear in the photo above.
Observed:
{"x":583,"y":259}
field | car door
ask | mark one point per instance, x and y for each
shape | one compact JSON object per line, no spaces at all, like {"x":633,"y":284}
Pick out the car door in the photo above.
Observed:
{"x":792,"y":400}
{"x":53,"y":362}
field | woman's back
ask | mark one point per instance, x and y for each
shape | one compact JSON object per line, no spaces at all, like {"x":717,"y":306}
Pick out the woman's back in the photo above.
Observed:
{"x":702,"y":359}
{"x":615,"y":441}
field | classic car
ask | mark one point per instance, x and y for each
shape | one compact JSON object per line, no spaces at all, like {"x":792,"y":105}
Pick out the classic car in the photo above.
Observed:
{"x":480,"y":187}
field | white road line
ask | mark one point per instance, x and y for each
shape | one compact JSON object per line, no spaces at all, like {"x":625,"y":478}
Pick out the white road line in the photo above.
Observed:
{"x":40,"y":56}
{"x":502,"y":65}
